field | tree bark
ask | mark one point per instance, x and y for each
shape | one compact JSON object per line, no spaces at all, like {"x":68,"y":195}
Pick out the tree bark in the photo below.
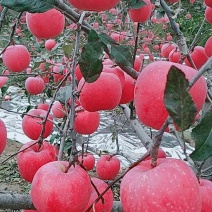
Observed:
{"x":9,"y":200}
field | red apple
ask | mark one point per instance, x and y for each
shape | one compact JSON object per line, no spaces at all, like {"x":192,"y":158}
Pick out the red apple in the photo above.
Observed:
{"x":174,"y":56}
{"x":16,"y":58}
{"x":82,"y":119}
{"x":128,"y":90}
{"x":103,"y":94}
{"x":78,"y":73}
{"x":206,"y":192}
{"x":47,"y":24}
{"x":138,"y":62}
{"x":34,"y":85}
{"x":32,"y":124}
{"x":170,"y":186}
{"x":208,"y":14}
{"x":58,"y":110}
{"x":50,"y":44}
{"x":208,"y":47}
{"x":198,"y":56}
{"x":94,"y":5}
{"x":3,"y":137}
{"x":167,"y":48}
{"x":107,"y":167}
{"x":142,"y":14}
{"x":31,"y":159}
{"x":43,"y":106}
{"x":3,"y":81}
{"x":88,"y":161}
{"x":108,"y":197}
{"x":149,"y":92}
{"x":208,"y":3}
{"x":56,"y":187}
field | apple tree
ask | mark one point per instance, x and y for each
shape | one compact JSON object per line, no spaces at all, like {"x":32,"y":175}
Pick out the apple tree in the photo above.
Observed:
{"x":88,"y":56}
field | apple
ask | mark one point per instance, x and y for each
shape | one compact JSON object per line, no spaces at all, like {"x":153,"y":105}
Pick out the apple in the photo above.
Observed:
{"x":138,"y":62}
{"x":198,"y":56}
{"x":208,"y":3}
{"x":16,"y":58}
{"x":206,"y":192}
{"x":82,"y":119}
{"x":57,"y":187}
{"x":174,"y":56}
{"x":78,"y":73}
{"x":43,"y":106}
{"x":50,"y":44}
{"x":142,"y":14}
{"x":128,"y":90}
{"x":94,"y":5}
{"x":208,"y":14}
{"x":167,"y":48}
{"x":117,"y":36}
{"x":170,"y":186}
{"x":3,"y":137}
{"x":58,"y":110}
{"x":115,"y":70}
{"x":34,"y":85}
{"x":31,"y":159}
{"x":47,"y":25}
{"x":32,"y":124}
{"x":208,"y":47}
{"x":103,"y":94}
{"x":149,"y":92}
{"x":88,"y":161}
{"x":107,"y":167}
{"x":108,"y":197}
{"x":59,"y":73}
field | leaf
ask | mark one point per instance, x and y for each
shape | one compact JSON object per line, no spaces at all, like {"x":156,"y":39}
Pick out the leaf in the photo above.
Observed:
{"x":120,"y":54}
{"x":31,"y":6}
{"x":177,"y":99}
{"x":4,"y":90}
{"x":90,"y":60}
{"x":64,"y":94}
{"x":67,"y":49}
{"x":202,"y":135}
{"x":136,"y":4}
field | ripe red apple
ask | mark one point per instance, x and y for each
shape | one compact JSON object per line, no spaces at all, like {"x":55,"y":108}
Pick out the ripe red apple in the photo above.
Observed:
{"x":115,"y":70}
{"x":142,"y":14}
{"x":170,"y":186}
{"x":56,"y":187}
{"x":32,"y":124}
{"x":198,"y":56}
{"x":208,"y":47}
{"x":3,"y":137}
{"x":103,"y":94}
{"x":167,"y":48}
{"x":31,"y":159}
{"x":149,"y":92}
{"x":174,"y":56}
{"x":208,"y":3}
{"x":58,"y":73}
{"x":47,"y":24}
{"x":88,"y":161}
{"x":128,"y":90}
{"x":16,"y":58}
{"x":50,"y":44}
{"x":3,"y":81}
{"x":206,"y":191}
{"x":34,"y":85}
{"x":208,"y":14}
{"x":82,"y":119}
{"x":58,"y":110}
{"x":107,"y":167}
{"x":78,"y":73}
{"x":108,"y":197}
{"x":138,"y":62}
{"x":43,"y":106}
{"x":94,"y":5}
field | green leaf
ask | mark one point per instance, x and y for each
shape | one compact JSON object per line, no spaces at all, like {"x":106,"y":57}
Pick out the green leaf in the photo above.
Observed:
{"x":4,"y":90}
{"x":90,"y":60}
{"x":202,"y":135}
{"x":177,"y":99}
{"x":120,"y":54}
{"x":67,"y":49}
{"x":136,"y":4}
{"x":64,"y":94}
{"x":32,"y":6}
